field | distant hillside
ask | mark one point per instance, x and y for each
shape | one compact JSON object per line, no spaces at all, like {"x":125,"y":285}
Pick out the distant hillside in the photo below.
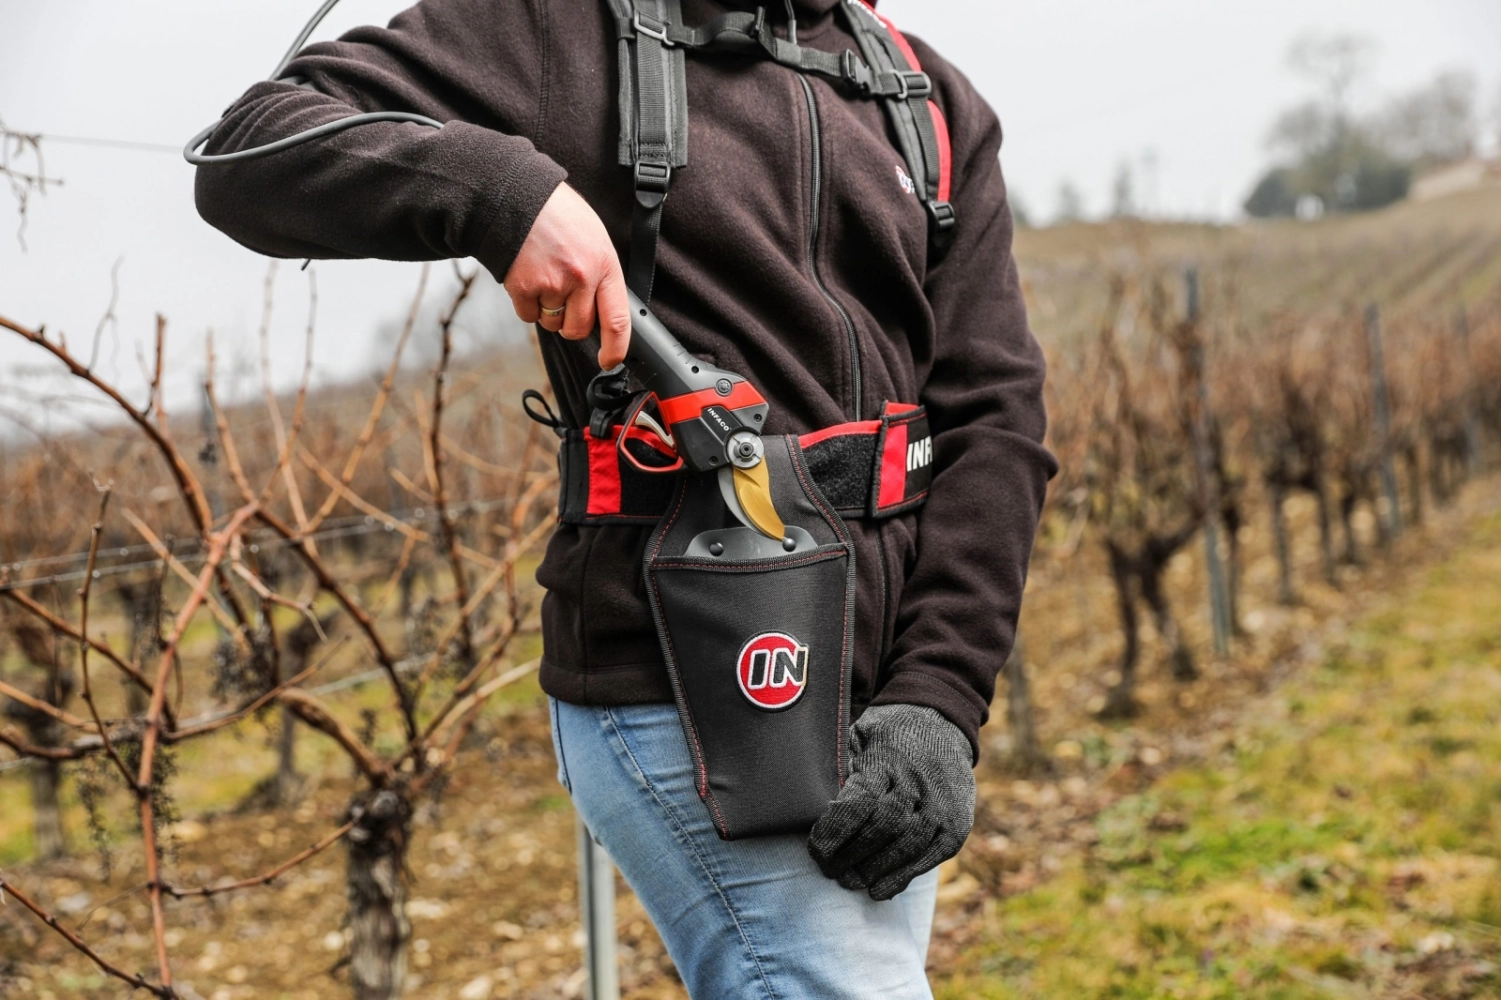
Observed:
{"x":1408,"y":258}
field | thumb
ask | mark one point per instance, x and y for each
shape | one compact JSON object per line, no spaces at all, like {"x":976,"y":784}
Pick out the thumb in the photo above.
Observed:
{"x":614,"y":311}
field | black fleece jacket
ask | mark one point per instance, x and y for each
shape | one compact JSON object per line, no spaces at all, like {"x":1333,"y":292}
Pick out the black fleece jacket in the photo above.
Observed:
{"x":528,"y":88}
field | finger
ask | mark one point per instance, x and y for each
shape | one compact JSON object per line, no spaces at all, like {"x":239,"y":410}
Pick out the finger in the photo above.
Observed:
{"x":914,"y":842}
{"x":889,"y":884}
{"x":845,"y":818}
{"x":944,"y":846}
{"x":867,"y":777}
{"x":889,"y":821}
{"x":886,"y":822}
{"x":614,"y":318}
{"x":527,"y":309}
{"x":578,"y":317}
{"x":852,"y":880}
{"x":551,"y":322}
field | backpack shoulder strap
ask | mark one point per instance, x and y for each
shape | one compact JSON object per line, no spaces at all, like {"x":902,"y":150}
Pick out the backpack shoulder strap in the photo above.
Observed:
{"x":653,"y":104}
{"x":653,"y":108}
{"x":921,"y":131}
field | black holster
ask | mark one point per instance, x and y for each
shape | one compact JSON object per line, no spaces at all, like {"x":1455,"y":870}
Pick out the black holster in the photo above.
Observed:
{"x":759,"y":647}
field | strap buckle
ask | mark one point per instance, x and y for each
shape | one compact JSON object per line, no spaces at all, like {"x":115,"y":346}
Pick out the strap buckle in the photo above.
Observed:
{"x":914,"y":84}
{"x":856,"y":73}
{"x":659,"y":32}
{"x":941,"y":219}
{"x":653,"y":177}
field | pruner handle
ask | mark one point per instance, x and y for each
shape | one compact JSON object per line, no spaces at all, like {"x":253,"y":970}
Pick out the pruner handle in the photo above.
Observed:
{"x":702,"y":406}
{"x":657,"y":360}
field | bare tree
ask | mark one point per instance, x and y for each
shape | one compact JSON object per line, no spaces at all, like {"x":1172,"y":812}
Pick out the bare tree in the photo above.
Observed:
{"x":1027,"y":755}
{"x":1123,"y":192}
{"x":35,"y":704}
{"x":1144,"y":500}
{"x":1070,"y":203}
{"x":1336,"y":64}
{"x":435,"y":698}
{"x":1436,"y":123}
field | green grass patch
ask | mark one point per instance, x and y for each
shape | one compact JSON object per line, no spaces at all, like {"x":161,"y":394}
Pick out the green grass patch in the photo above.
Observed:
{"x":1347,"y":847}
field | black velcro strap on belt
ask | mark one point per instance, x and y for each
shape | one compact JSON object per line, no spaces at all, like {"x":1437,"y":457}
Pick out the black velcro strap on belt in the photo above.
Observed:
{"x":874,"y":468}
{"x":867,"y":468}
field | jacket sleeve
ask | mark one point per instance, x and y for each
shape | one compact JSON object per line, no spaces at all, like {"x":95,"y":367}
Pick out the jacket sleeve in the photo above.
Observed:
{"x":393,"y":190}
{"x":956,"y":621}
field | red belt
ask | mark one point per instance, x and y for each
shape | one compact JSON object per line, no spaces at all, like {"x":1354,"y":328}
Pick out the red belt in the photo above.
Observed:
{"x":865,"y":468}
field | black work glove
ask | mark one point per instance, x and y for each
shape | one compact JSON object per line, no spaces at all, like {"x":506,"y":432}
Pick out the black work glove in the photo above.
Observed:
{"x":907,"y":806}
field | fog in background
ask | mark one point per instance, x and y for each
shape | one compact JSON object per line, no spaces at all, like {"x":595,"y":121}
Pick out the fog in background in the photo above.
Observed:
{"x":1182,"y":90}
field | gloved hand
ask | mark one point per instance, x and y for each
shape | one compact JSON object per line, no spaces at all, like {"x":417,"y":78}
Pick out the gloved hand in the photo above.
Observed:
{"x":906,"y":807}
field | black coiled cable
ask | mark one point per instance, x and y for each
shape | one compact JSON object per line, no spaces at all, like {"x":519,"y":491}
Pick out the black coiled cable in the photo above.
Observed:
{"x":191,"y":154}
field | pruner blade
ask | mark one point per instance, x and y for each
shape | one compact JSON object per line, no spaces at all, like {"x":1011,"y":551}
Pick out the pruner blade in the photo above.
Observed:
{"x":747,"y":492}
{"x":753,"y":490}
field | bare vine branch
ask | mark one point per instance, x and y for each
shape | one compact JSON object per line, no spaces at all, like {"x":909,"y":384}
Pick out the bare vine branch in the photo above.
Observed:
{"x":23,"y":183}
{"x":134,"y":979}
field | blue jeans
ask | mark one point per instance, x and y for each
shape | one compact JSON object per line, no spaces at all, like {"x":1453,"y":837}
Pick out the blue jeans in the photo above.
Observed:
{"x":741,"y":919}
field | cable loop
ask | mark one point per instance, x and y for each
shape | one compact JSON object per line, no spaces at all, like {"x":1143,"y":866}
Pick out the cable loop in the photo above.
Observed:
{"x":197,"y":159}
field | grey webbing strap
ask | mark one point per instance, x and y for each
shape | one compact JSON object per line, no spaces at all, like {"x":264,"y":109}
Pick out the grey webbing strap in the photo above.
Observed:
{"x":787,"y":53}
{"x":652,"y":182}
{"x":659,"y":140}
{"x":736,"y":28}
{"x":910,"y":115}
{"x":745,"y":32}
{"x":625,"y":67}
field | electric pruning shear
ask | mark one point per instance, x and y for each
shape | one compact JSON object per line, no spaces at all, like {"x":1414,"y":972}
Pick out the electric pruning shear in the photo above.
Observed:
{"x":711,"y":418}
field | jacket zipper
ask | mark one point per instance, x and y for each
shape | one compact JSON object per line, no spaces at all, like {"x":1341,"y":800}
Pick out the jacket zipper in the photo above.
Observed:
{"x":817,"y":192}
{"x":856,"y":407}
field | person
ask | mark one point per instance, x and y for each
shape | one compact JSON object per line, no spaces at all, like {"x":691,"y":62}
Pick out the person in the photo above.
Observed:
{"x":794,"y":249}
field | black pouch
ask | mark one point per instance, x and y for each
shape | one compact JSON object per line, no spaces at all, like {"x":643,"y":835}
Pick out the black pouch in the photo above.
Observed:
{"x":758,"y":638}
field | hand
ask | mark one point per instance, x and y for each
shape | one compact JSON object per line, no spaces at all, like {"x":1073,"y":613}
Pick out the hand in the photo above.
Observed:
{"x":569,"y":261}
{"x":907,"y":807}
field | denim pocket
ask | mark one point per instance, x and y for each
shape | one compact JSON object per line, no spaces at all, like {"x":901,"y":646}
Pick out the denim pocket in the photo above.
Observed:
{"x":557,"y":747}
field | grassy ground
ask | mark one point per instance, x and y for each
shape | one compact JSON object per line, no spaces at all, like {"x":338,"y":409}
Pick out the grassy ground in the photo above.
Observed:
{"x":1333,"y":836}
{"x":1343,"y":843}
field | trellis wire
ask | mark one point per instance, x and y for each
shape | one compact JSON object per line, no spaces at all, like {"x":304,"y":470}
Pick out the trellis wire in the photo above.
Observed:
{"x":345,"y":527}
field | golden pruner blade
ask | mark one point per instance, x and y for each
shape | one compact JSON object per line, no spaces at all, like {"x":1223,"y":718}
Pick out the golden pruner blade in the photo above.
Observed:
{"x":753,"y":490}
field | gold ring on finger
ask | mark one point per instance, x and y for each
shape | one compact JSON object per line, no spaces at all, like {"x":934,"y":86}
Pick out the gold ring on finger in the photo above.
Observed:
{"x":554,"y":313}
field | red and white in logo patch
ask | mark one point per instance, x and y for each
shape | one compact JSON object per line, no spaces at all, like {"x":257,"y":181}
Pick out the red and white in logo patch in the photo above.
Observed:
{"x":773,"y":670}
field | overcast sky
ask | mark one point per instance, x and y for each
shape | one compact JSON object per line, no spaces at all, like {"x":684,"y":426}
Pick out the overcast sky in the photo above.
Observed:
{"x":1080,"y":86}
